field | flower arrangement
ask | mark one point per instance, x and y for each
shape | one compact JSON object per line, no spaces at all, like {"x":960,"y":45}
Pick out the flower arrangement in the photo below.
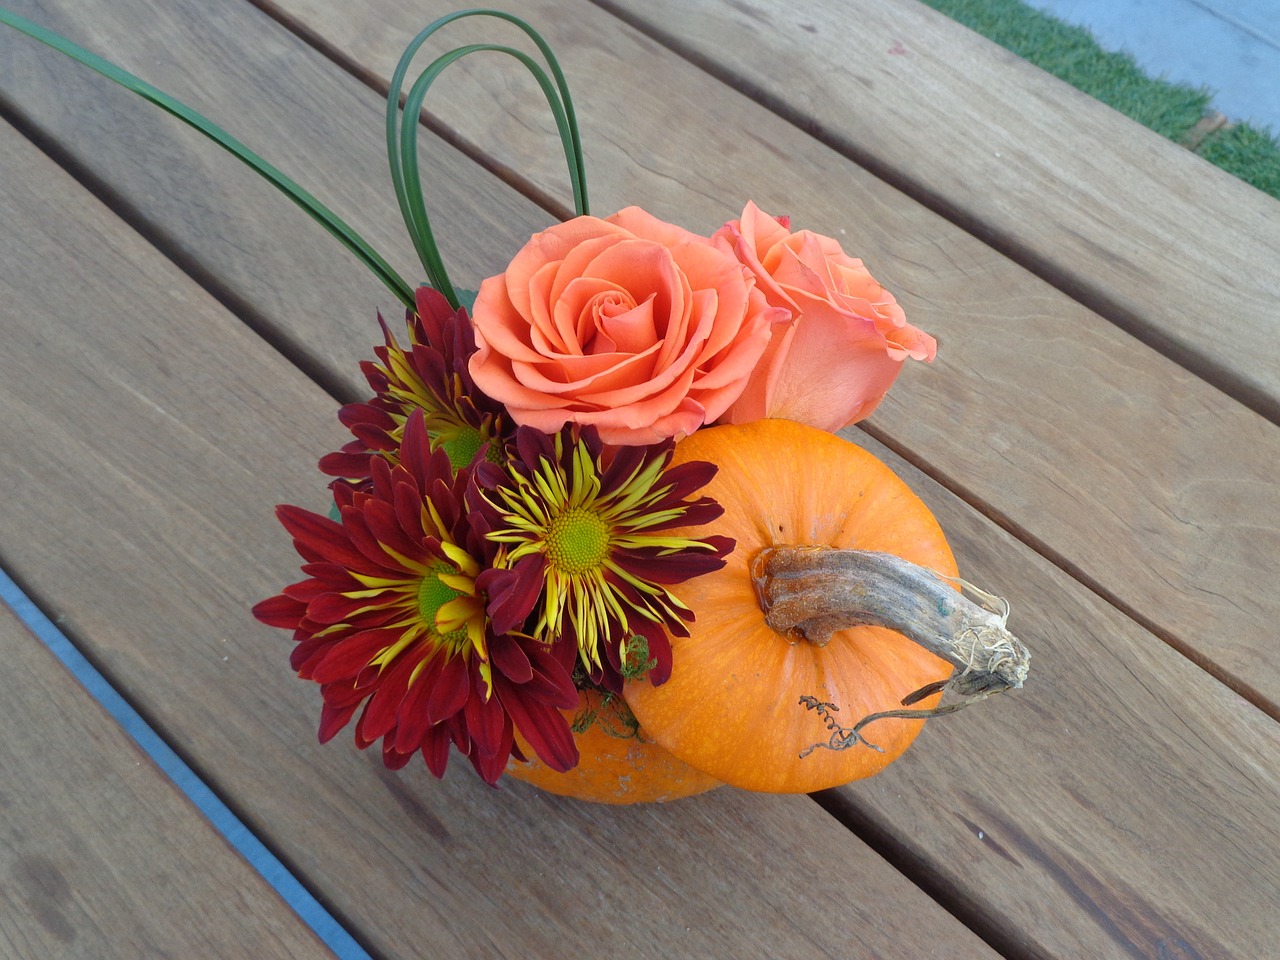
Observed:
{"x":594,"y":528}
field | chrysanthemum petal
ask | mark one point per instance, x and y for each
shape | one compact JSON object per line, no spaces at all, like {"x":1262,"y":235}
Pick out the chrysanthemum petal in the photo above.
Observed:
{"x":383,"y":709}
{"x":688,"y":477}
{"x":449,"y":691}
{"x":544,"y":728}
{"x":414,"y":721}
{"x":319,"y":535}
{"x":428,"y":374}
{"x":392,"y":759}
{"x":392,"y":620}
{"x":333,"y":719}
{"x":512,"y":593}
{"x":387,"y":536}
{"x":347,"y":659}
{"x":601,"y":531}
{"x":510,"y":659}
{"x":658,"y":567}
{"x":280,"y":611}
{"x":435,"y":750}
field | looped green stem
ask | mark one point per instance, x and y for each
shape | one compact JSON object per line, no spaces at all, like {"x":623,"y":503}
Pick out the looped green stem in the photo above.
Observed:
{"x":402,"y":152}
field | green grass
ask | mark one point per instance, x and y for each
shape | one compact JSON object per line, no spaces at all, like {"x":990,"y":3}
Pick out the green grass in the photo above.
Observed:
{"x":1170,"y":109}
{"x":1249,"y":153}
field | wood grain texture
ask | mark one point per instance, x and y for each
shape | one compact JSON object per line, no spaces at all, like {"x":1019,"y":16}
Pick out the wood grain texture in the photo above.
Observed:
{"x":1102,"y":812}
{"x":138,"y":508}
{"x":1151,"y":486}
{"x":101,"y":855}
{"x":217,"y":218}
{"x":1117,"y":826}
{"x":146,"y":488}
{"x":1180,"y":252}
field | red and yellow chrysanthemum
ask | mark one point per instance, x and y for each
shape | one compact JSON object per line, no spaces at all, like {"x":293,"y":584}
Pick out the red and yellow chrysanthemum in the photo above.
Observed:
{"x":411,"y":616}
{"x":431,"y":375}
{"x":592,"y":532}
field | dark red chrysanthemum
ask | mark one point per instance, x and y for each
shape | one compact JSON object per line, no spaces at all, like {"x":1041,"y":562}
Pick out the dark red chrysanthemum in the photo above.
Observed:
{"x":600,"y":540}
{"x":430,"y":375}
{"x":408,"y":611}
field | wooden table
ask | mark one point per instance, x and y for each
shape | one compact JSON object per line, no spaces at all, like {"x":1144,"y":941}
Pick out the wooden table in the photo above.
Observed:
{"x":1098,"y":437}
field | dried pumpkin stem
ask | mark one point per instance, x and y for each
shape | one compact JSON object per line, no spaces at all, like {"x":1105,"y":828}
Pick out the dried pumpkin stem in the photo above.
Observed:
{"x":810,"y":592}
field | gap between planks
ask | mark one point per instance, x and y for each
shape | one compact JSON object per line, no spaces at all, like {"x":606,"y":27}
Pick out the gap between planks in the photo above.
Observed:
{"x":1237,"y":684}
{"x":155,"y":234}
{"x":447,"y":134}
{"x":170,"y":775}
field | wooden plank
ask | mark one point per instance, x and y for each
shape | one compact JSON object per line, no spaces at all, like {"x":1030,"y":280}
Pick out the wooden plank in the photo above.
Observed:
{"x":205,"y":209}
{"x":1118,"y":807}
{"x":1150,"y":486}
{"x":1183,"y":534}
{"x":1112,"y":828}
{"x":145,"y":489}
{"x":1150,"y":235}
{"x":102,"y":855}
{"x":137,"y":506}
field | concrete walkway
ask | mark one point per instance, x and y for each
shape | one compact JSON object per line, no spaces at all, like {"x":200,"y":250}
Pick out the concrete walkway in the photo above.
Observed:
{"x":1230,"y":46}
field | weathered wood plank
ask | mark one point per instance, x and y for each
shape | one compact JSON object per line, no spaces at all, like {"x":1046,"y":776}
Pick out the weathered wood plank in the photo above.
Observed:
{"x":1148,"y":484}
{"x":177,"y":472}
{"x":101,"y":854}
{"x":1067,"y":905}
{"x":1118,"y":807}
{"x":1147,"y":233}
{"x":148,"y":434}
{"x":219,"y":220}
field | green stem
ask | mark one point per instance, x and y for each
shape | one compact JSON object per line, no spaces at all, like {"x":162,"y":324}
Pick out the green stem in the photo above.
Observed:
{"x":313,"y":207}
{"x":402,"y":140}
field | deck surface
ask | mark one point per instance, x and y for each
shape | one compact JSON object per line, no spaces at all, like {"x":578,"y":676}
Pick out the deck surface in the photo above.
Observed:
{"x":1098,"y":438}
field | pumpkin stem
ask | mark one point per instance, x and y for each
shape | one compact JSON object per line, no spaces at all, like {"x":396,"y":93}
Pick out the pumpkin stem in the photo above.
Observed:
{"x":810,"y":592}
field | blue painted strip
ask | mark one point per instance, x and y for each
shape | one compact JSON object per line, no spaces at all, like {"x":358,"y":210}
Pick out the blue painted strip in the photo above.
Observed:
{"x":226,"y":822}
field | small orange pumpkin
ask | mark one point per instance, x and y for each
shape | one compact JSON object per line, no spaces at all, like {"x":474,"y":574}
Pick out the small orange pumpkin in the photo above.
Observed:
{"x":732,"y":706}
{"x":618,"y":763}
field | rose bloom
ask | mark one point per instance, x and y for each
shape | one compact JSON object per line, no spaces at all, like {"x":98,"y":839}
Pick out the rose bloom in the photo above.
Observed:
{"x":632,"y":325}
{"x":833,"y":362}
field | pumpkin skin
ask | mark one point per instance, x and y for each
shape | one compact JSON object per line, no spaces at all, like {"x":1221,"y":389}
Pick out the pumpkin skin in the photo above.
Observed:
{"x":732,"y":704}
{"x":613,"y":769}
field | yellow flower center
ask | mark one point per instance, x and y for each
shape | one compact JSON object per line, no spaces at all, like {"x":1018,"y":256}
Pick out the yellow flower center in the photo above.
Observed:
{"x":434,"y":594}
{"x":577,"y":541}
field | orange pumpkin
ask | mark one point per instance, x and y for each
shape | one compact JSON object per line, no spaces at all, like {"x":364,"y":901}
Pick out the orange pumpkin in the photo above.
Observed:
{"x":732,"y":706}
{"x":618,"y":763}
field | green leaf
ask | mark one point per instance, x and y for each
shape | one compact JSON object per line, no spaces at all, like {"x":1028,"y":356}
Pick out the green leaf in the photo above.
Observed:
{"x":402,"y":133}
{"x":313,"y":207}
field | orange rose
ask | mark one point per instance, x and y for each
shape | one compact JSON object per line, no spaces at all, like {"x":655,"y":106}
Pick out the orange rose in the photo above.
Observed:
{"x":637,"y":326}
{"x":846,"y":342}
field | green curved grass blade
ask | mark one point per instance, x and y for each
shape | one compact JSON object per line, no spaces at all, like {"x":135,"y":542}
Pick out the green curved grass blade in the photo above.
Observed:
{"x":402,"y":140}
{"x":313,"y":207}
{"x":410,"y":172}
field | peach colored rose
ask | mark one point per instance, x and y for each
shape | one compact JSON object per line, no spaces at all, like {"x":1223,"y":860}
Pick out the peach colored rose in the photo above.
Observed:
{"x":637,"y":326}
{"x":847,"y":339}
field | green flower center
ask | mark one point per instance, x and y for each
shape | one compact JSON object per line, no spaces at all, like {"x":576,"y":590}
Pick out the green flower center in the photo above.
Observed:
{"x":434,"y":594}
{"x":577,"y":541}
{"x":463,"y":446}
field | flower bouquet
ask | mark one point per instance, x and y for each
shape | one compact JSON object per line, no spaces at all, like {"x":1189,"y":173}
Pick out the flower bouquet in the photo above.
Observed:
{"x":594,"y":529}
